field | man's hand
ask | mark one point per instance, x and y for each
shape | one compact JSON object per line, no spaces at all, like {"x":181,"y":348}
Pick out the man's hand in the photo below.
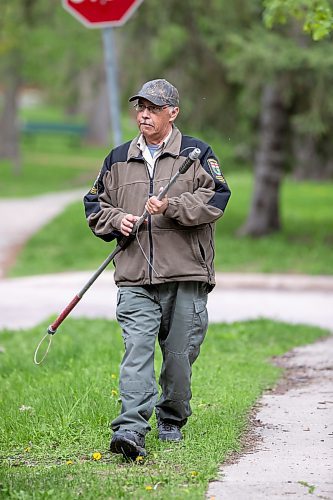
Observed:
{"x":155,"y":206}
{"x":127,"y":224}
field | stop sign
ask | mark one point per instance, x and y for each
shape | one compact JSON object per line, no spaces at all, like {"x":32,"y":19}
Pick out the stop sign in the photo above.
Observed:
{"x":101,"y":13}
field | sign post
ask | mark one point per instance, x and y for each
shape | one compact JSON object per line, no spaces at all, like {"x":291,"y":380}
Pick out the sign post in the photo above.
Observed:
{"x":105,"y":14}
{"x":112,"y":84}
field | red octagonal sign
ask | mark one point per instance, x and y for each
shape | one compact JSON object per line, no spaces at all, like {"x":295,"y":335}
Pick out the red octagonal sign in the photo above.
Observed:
{"x":101,"y":13}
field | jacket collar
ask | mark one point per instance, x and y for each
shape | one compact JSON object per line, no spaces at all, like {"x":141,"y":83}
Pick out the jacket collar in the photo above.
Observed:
{"x":172,"y":147}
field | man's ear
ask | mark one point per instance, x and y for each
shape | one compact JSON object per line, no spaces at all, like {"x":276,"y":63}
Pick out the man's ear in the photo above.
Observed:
{"x":173,"y":114}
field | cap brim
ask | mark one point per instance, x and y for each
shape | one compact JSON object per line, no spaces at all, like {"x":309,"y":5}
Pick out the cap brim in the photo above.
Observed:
{"x":154,"y":100}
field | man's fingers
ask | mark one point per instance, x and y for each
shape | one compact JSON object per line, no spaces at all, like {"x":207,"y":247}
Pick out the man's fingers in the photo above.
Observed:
{"x":155,"y":206}
{"x":127,"y":224}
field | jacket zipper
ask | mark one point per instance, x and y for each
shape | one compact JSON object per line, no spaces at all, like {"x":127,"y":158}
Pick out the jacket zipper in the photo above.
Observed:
{"x":150,"y":235}
{"x":213,"y":252}
{"x":151,"y":247}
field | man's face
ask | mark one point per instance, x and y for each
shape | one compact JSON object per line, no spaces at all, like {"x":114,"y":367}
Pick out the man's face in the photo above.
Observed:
{"x":155,"y":122}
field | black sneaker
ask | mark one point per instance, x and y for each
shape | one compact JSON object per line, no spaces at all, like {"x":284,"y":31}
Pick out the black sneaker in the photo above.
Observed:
{"x":130,"y":443}
{"x":168,"y":431}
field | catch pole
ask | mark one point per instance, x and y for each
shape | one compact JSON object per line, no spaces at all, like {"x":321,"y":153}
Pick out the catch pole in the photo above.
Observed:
{"x":122,"y":244}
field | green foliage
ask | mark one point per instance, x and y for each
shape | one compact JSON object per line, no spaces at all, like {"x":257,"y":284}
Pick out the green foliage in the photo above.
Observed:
{"x":316,"y":15}
{"x":303,"y":68}
{"x":217,"y":53}
{"x":55,"y":416}
{"x":40,"y":38}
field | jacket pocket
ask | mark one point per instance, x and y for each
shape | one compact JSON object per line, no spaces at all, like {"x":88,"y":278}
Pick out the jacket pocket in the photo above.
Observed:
{"x":177,"y":255}
{"x":198,"y":249}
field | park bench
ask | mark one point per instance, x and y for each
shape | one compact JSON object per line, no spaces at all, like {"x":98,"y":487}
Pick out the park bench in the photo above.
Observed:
{"x":72,"y":130}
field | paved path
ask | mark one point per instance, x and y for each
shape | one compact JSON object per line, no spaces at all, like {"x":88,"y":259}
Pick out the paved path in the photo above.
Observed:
{"x":27,"y":301}
{"x":20,"y":218}
{"x":293,"y":456}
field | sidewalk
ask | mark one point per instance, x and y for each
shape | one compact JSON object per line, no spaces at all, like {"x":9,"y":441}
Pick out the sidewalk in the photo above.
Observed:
{"x":38,"y":297}
{"x":290,"y":453}
{"x":22,"y":217}
{"x":293,"y":433}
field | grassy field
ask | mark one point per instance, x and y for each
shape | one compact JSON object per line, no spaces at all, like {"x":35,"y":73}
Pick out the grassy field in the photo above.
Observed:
{"x":52,"y":162}
{"x":56,"y":416}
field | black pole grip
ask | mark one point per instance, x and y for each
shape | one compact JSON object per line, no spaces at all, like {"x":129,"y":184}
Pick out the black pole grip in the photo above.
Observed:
{"x":194,"y":155}
{"x":124,"y":241}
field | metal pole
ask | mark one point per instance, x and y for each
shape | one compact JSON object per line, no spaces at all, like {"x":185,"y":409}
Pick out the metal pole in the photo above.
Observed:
{"x":112,"y":83}
{"x":123,"y":242}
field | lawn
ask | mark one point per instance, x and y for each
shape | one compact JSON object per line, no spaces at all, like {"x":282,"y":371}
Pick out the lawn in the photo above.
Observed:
{"x":52,"y":162}
{"x":54,"y":417}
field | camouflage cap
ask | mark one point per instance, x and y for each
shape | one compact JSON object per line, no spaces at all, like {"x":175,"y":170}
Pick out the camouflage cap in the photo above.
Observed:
{"x":160,"y":92}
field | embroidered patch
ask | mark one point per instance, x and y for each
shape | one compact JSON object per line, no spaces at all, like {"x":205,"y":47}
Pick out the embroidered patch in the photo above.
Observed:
{"x":93,"y":190}
{"x":215,"y":169}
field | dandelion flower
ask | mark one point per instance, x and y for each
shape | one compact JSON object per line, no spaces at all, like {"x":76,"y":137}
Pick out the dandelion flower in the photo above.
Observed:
{"x":149,"y":487}
{"x":194,"y":473}
{"x":139,"y":458}
{"x":114,"y":392}
{"x":27,"y":449}
{"x":113,"y":376}
{"x":97,"y":455}
{"x":69,"y":462}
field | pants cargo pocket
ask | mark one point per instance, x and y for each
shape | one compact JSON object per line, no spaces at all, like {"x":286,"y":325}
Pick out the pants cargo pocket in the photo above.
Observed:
{"x":199,"y":328}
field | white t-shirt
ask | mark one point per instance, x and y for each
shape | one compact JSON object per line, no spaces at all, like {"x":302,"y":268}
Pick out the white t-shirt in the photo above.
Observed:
{"x":147,"y":151}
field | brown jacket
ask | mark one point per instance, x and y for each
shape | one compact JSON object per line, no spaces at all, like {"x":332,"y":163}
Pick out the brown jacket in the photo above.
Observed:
{"x":176,"y":246}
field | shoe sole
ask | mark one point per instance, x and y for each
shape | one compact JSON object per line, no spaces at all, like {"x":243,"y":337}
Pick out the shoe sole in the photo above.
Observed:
{"x":129,"y":449}
{"x":175,"y":440}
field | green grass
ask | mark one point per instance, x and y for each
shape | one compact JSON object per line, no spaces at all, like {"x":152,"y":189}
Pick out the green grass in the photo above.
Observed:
{"x":303,"y":246}
{"x":61,"y":410}
{"x":50,"y":165}
{"x":52,"y":162}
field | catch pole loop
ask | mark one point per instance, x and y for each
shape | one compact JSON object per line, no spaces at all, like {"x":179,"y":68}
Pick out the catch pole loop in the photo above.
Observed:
{"x":46,"y":352}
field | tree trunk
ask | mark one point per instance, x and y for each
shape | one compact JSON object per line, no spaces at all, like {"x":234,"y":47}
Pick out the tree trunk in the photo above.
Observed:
{"x":313,"y":158}
{"x":9,"y":123}
{"x":264,"y":216}
{"x":99,"y":117}
{"x":307,"y":163}
{"x":94,"y":105}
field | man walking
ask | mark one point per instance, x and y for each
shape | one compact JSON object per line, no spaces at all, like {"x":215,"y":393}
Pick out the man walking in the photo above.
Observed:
{"x":166,"y":273}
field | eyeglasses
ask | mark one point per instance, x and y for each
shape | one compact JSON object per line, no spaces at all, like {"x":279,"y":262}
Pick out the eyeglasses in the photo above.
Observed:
{"x":151,"y":108}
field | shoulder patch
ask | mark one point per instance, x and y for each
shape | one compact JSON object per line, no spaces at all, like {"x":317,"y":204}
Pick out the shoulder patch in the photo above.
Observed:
{"x":215,"y":169}
{"x":94,"y":189}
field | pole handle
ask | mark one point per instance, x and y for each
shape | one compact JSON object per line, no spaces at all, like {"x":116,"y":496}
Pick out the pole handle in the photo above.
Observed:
{"x":193,"y":155}
{"x":55,"y":325}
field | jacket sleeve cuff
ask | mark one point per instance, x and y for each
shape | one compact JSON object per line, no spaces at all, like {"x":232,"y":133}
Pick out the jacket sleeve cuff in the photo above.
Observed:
{"x":116,"y":221}
{"x":171,"y":210}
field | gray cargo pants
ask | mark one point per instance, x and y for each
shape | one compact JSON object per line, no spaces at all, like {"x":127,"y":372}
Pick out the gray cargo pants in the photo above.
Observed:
{"x":176,"y":314}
